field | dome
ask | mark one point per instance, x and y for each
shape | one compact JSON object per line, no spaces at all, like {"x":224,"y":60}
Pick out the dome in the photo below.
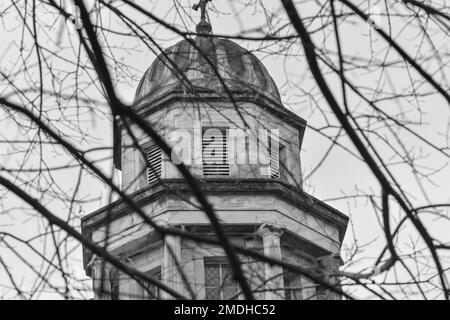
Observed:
{"x":183,"y":69}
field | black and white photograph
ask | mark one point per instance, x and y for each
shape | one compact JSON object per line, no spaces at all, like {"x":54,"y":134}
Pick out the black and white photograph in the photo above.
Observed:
{"x":224,"y":157}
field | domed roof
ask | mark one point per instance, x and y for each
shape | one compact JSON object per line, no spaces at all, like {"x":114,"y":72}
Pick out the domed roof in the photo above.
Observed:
{"x":182,"y":68}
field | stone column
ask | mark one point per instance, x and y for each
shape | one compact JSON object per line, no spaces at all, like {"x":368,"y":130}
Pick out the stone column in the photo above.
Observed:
{"x":331,"y":264}
{"x":97,"y":281}
{"x":101,"y":279}
{"x":114,"y":283}
{"x":171,"y":275}
{"x":273,"y":274}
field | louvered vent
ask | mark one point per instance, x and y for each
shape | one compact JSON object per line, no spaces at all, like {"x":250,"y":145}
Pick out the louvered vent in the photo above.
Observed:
{"x":274,"y":156}
{"x":215,"y":153}
{"x":274,"y":164}
{"x":153,"y":164}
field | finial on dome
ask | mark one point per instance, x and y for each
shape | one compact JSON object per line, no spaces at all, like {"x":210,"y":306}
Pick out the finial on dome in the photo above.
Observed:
{"x":203,"y":26}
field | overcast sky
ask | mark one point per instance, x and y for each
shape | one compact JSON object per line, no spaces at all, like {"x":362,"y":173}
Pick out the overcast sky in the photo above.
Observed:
{"x":341,"y":174}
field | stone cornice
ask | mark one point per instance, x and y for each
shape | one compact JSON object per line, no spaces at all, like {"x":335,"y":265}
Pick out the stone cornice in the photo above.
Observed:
{"x":221,"y":186}
{"x":261,"y":100}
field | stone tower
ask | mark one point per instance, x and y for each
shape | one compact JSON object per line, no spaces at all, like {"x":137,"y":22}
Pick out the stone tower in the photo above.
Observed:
{"x":221,"y":97}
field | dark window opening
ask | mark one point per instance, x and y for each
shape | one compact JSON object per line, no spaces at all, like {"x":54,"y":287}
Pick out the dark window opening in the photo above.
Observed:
{"x":292,"y":286}
{"x":149,"y":291}
{"x":219,"y":282}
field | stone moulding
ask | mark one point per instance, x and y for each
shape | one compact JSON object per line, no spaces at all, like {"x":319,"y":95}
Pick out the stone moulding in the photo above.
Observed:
{"x":221,"y":186}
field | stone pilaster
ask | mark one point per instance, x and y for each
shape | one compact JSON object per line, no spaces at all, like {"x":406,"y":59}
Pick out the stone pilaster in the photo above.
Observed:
{"x":273,"y":274}
{"x":253,"y":268}
{"x":171,"y":275}
{"x":114,"y":283}
{"x":101,"y":279}
{"x":331,"y":264}
{"x":97,"y":281}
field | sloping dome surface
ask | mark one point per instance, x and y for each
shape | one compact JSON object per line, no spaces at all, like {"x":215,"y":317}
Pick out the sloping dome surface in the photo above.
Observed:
{"x":188,"y":68}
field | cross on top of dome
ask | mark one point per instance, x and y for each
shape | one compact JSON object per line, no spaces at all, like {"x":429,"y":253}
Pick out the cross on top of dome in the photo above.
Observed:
{"x":203,"y":26}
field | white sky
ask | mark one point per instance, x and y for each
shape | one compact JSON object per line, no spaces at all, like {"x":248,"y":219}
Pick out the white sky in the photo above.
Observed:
{"x":341,"y":174}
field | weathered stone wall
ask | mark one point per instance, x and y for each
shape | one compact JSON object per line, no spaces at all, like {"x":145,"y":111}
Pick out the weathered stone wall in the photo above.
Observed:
{"x":192,"y":257}
{"x":185,"y":116}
